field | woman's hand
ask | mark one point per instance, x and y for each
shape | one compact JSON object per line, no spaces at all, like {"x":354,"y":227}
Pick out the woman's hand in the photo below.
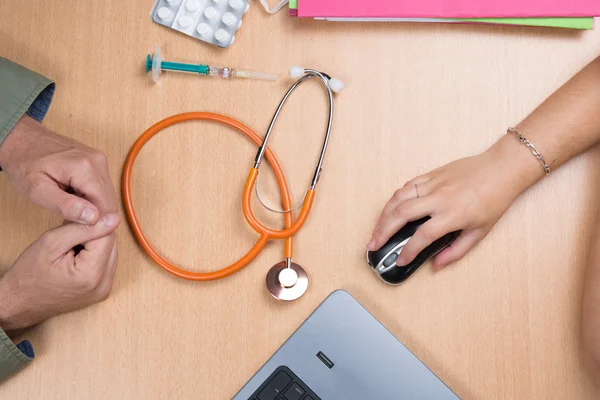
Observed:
{"x":469,"y":195}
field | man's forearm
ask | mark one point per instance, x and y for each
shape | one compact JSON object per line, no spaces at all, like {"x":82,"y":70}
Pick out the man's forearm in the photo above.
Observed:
{"x":12,"y":357}
{"x":10,"y":316}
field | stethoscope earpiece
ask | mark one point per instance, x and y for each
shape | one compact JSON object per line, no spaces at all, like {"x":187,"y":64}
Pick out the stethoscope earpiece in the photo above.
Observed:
{"x":296,"y":72}
{"x":334,"y":84}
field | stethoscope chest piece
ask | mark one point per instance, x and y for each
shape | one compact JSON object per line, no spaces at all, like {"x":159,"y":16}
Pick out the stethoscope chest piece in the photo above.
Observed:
{"x":287,"y":283}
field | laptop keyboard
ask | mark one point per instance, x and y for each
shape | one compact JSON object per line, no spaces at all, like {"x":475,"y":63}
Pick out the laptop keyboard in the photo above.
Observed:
{"x":283,"y":384}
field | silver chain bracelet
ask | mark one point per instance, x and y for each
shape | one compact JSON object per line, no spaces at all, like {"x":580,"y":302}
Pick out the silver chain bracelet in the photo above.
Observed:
{"x":531,"y":147}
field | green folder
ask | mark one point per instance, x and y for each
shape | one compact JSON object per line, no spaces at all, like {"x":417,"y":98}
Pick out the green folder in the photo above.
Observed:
{"x":571,"y":23}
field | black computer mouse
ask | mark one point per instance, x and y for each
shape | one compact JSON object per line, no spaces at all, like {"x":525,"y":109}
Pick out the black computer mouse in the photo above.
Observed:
{"x":383,"y":261}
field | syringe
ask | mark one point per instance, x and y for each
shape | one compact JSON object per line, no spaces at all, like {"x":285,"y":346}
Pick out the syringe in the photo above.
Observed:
{"x":157,"y":65}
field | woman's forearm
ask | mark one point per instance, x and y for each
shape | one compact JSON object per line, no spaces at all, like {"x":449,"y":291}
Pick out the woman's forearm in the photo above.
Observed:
{"x":591,"y":308}
{"x":563,"y":126}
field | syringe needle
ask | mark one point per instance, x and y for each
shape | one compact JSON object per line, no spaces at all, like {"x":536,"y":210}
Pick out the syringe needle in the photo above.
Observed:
{"x":157,"y":65}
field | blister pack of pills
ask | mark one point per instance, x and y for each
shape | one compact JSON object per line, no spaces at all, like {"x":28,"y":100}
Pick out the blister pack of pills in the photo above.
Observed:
{"x":212,"y":21}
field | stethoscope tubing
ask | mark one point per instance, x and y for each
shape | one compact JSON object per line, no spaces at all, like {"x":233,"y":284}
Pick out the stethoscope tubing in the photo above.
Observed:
{"x":291,"y":227}
{"x":136,"y":226}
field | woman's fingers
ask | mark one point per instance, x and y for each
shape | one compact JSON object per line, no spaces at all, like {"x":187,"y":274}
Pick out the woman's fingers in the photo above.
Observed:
{"x":427,"y":233}
{"x":405,"y":212}
{"x":457,"y":250}
{"x":419,"y":180}
{"x":411,"y":190}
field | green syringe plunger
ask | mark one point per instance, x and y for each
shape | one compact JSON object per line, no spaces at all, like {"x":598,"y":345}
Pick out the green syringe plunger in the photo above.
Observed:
{"x":157,"y":65}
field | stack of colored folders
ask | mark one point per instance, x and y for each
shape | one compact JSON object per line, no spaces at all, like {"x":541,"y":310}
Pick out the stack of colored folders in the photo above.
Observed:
{"x":573,"y":14}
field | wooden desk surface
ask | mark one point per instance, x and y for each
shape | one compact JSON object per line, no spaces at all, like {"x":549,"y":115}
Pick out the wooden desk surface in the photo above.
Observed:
{"x":501,"y":324}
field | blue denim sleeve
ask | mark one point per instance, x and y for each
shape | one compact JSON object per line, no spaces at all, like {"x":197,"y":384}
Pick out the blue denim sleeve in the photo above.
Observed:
{"x":13,"y":357}
{"x":41,"y":104}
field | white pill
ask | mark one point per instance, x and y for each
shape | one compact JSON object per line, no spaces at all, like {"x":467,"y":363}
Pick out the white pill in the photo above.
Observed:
{"x":210,"y":13}
{"x":221,"y":35}
{"x":229,"y":19}
{"x":216,"y":1}
{"x":192,"y":5}
{"x":203,"y":29}
{"x":236,"y":4}
{"x":185,"y":21}
{"x":163,"y":13}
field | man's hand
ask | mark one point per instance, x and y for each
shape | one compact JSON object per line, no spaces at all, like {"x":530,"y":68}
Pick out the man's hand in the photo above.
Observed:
{"x":44,"y":166}
{"x":49,"y":279}
{"x":71,"y":179}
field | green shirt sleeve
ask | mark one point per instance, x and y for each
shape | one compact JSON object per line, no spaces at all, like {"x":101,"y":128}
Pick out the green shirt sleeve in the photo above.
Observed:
{"x":21,"y":91}
{"x":12,"y":358}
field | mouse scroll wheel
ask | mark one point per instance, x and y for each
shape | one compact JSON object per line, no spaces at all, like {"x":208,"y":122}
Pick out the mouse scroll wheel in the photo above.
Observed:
{"x":390,"y":260}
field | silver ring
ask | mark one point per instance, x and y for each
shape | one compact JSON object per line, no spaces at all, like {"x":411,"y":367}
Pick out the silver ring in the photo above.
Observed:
{"x":417,"y":189}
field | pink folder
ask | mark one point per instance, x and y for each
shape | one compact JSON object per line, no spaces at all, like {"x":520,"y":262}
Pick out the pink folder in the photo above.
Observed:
{"x":448,"y":8}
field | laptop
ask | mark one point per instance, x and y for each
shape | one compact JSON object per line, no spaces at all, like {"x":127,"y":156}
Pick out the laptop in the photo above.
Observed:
{"x":341,"y":352}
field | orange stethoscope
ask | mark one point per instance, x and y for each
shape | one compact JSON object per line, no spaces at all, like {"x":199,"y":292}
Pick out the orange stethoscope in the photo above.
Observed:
{"x":285,"y":280}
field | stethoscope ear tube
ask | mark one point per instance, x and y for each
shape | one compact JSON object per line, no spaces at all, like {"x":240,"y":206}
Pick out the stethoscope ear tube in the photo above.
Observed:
{"x":254,"y":172}
{"x":309,"y":73}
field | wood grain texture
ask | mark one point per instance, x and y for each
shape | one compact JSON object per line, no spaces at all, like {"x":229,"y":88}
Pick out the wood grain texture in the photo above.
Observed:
{"x":503,"y":323}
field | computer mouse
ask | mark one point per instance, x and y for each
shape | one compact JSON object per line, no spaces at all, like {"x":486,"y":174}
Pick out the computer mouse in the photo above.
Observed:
{"x":383,"y":261}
